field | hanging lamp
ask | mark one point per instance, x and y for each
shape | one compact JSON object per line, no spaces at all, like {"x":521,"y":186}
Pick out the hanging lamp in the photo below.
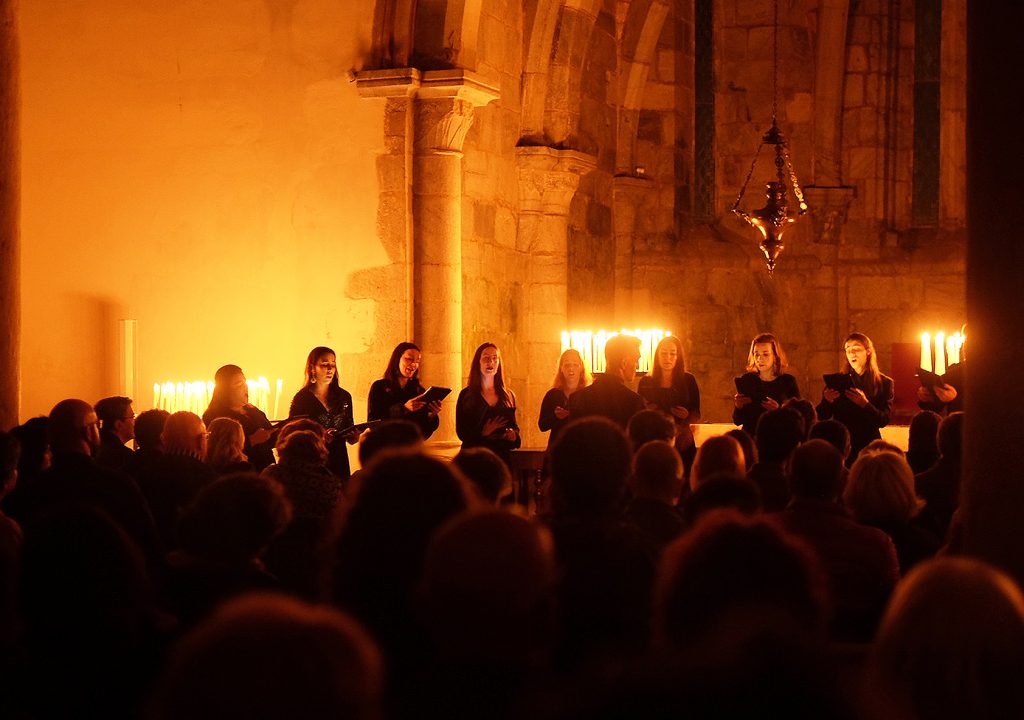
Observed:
{"x":774,"y":219}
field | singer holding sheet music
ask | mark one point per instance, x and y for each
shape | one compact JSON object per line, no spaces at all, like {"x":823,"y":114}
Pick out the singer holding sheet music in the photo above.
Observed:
{"x":324,"y":401}
{"x":485,"y":413}
{"x":396,"y":396}
{"x":673,"y":391}
{"x":859,"y":396}
{"x":764,"y":386}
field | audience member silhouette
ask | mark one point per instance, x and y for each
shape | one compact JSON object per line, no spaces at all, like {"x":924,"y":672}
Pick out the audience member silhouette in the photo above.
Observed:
{"x":75,"y":480}
{"x":93,"y":639}
{"x":176,"y":476}
{"x":657,"y":481}
{"x":648,"y":425}
{"x":923,"y":442}
{"x":951,"y":645}
{"x":224,"y":533}
{"x":488,"y":474}
{"x":403,"y":499}
{"x":117,"y":427}
{"x":940,"y":485}
{"x":721,"y":454}
{"x":719,"y":492}
{"x":488,"y":600}
{"x":860,"y":561}
{"x":298,"y":556}
{"x":746,"y":441}
{"x":834,"y":433}
{"x":225,"y":450}
{"x":605,"y":568}
{"x":808,"y":415}
{"x":880,"y":492}
{"x":10,"y":544}
{"x":34,"y":441}
{"x":388,"y":435}
{"x":149,"y":425}
{"x":778,"y":434}
{"x":267,"y":657}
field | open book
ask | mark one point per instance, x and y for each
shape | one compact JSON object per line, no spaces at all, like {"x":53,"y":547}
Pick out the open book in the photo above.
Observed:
{"x":433,"y":394}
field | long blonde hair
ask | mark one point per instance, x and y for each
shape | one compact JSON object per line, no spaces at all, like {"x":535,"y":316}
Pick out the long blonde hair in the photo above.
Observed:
{"x":226,"y":443}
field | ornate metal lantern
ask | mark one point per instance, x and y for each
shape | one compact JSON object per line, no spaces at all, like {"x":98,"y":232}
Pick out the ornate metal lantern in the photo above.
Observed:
{"x":775,"y":217}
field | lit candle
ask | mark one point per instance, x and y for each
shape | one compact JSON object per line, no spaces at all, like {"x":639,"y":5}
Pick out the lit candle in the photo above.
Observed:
{"x":940,"y":353}
{"x":926,"y":351}
{"x":277,"y":397}
{"x":156,"y":395}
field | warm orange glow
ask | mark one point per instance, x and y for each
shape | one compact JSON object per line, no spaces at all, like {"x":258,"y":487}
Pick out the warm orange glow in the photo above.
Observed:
{"x":194,"y":396}
{"x":938,"y":354}
{"x":590,"y":344}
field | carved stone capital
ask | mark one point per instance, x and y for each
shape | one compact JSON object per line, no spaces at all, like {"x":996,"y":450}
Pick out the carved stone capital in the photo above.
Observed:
{"x":828,"y":207}
{"x":549,"y":177}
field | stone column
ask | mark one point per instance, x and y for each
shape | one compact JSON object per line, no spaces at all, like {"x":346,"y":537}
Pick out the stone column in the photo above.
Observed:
{"x":10,"y":208}
{"x":628,"y":196}
{"x":443,"y":116}
{"x":548,"y":179}
{"x":994,"y":452}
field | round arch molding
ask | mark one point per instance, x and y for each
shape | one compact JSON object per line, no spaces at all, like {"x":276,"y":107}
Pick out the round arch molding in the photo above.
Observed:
{"x":426,"y":34}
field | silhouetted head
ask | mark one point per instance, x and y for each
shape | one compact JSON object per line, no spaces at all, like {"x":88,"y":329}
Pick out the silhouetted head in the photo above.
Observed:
{"x":816,"y":471}
{"x":149,"y":426}
{"x":621,"y":354}
{"x":951,"y":644}
{"x":732,"y":578}
{"x":648,"y":425}
{"x":724,"y":491}
{"x":589,"y":466}
{"x":834,"y":433}
{"x":184,"y":434}
{"x":267,"y":657}
{"x":389,"y":435}
{"x":951,"y":436}
{"x":303,"y":447}
{"x":719,"y":454}
{"x":74,"y":428}
{"x":226,"y":444}
{"x":778,"y":433}
{"x":808,"y":415}
{"x":657,"y":472}
{"x":232,"y":520}
{"x":488,"y":586}
{"x":486,"y":471}
{"x":117,"y":416}
{"x":880,"y":490}
{"x":747,"y":443}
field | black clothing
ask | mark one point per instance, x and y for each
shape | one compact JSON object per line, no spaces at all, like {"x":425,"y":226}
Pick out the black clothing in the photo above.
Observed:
{"x":553,"y":398}
{"x":113,"y":454}
{"x":472,"y":411}
{"x":939,"y":487}
{"x":955,"y":377}
{"x":770,"y":478}
{"x":862,"y":422}
{"x":337,"y":418}
{"x":169,"y":484}
{"x":75,"y":480}
{"x":387,"y":402}
{"x":658,"y":522}
{"x":685,"y":393}
{"x":251,"y":418}
{"x":780,"y":390}
{"x":608,"y":397}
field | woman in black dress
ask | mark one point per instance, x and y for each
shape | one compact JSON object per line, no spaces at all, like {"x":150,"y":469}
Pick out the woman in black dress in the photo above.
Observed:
{"x":323,"y":400}
{"x":767,"y":385}
{"x":394,"y":397}
{"x":230,"y":399}
{"x":485,"y":413}
{"x":865,"y":407}
{"x":554,"y":408}
{"x":673,"y":391}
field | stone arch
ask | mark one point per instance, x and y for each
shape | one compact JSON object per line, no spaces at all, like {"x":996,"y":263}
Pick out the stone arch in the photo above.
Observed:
{"x":640,"y":32}
{"x":426,"y":34}
{"x":556,"y":39}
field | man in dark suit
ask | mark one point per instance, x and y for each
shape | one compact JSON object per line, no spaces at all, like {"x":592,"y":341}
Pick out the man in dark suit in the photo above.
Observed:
{"x":609,"y":396}
{"x":117,"y":427}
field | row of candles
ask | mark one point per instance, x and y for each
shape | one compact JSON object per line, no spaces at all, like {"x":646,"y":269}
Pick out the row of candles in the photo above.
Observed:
{"x":944,"y":351}
{"x":590,"y":345}
{"x":195,"y":396}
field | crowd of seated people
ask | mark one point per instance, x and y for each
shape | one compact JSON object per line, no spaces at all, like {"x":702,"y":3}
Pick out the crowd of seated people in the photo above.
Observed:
{"x":174,"y":582}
